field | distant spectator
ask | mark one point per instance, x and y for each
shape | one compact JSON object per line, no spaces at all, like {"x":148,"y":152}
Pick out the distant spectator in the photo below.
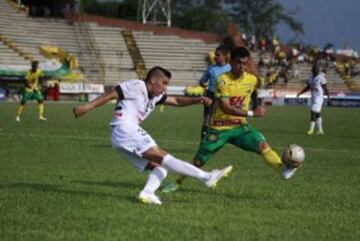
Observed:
{"x":50,"y":92}
{"x":56,"y":92}
{"x":77,"y":6}
{"x":271,"y":76}
{"x":244,"y":38}
{"x":275,"y":44}
{"x":301,"y":58}
{"x":296,"y":71}
{"x":262,"y":44}
{"x":294,"y":53}
{"x":284,"y":70}
{"x":252,"y":42}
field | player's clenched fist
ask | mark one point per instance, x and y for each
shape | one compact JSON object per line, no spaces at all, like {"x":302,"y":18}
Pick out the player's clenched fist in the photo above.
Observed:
{"x":206,"y":101}
{"x":79,"y":111}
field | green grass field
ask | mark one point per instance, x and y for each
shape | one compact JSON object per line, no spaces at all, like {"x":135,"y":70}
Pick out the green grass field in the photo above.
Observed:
{"x":61,"y":180}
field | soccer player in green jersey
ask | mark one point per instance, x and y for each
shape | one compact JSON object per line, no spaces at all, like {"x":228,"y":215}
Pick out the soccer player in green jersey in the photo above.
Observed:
{"x":32,"y":91}
{"x":229,"y":120}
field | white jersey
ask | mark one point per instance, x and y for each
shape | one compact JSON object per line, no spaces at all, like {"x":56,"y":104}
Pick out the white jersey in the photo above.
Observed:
{"x":317,"y":91}
{"x":127,"y":136}
{"x":136,"y":104}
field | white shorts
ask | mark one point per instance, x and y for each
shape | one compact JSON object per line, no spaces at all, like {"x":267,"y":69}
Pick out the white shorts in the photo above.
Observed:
{"x":131,"y":141}
{"x":316,"y":105}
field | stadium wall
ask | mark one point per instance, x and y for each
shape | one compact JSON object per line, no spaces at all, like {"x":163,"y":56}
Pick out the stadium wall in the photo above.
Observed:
{"x":285,"y":97}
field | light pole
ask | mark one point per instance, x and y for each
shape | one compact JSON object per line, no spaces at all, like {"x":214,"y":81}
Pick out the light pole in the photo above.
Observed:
{"x":155,"y":12}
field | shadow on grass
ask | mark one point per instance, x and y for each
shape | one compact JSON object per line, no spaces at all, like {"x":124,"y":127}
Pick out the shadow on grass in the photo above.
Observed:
{"x":227,"y":195}
{"x":179,"y":149}
{"x":125,"y":184}
{"x":47,"y":188}
{"x":187,"y":191}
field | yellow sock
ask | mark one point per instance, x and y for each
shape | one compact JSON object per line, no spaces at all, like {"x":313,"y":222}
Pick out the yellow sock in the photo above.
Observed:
{"x":20,"y":110}
{"x":272,"y":159}
{"x":41,"y":109}
{"x":161,"y":108}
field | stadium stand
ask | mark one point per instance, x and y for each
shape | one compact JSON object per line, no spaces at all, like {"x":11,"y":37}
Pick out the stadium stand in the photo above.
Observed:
{"x":184,"y":52}
{"x":9,"y":56}
{"x":334,"y":80}
{"x":186,"y":58}
{"x":106,"y":56}
{"x":29,"y":33}
{"x":118,"y":63}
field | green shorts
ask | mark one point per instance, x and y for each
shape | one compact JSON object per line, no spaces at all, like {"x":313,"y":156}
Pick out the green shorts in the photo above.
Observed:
{"x":31,"y":95}
{"x":244,"y":137}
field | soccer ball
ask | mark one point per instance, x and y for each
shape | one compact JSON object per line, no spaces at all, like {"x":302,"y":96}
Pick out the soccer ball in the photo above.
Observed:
{"x":293,"y":156}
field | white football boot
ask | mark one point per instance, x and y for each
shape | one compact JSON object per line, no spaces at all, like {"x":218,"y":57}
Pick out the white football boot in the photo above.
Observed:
{"x":42,"y":118}
{"x":149,"y":198}
{"x":288,"y":172}
{"x":216,"y":175}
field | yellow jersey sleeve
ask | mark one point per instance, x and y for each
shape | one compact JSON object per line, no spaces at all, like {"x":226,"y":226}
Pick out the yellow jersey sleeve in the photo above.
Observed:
{"x":221,"y":88}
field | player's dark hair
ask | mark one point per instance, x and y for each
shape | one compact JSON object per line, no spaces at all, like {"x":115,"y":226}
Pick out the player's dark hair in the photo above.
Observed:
{"x":223,"y":50}
{"x":315,"y":68}
{"x":34,"y":64}
{"x":157,"y":70}
{"x":240,"y":52}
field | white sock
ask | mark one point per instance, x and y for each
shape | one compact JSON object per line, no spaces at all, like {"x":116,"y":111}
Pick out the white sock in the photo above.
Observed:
{"x":156,"y":176}
{"x":319,"y":124}
{"x":312,"y":125}
{"x":184,"y":168}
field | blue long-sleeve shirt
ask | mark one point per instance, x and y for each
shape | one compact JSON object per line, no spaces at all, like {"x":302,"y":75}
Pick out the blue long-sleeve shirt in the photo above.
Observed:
{"x":212,"y":73}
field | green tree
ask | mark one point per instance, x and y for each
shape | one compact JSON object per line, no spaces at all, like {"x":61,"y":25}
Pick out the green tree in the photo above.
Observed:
{"x":128,"y":9}
{"x":252,"y":16}
{"x":108,"y":9}
{"x":202,"y":15}
{"x":261,"y":17}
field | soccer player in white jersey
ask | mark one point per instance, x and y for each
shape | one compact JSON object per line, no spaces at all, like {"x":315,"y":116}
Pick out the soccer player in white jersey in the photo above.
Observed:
{"x":136,"y":99}
{"x":317,"y":85}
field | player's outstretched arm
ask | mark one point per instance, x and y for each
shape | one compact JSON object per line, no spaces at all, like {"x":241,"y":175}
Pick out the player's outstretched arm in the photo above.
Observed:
{"x":101,"y":100}
{"x":232,"y":110}
{"x":306,"y":88}
{"x":185,"y":100}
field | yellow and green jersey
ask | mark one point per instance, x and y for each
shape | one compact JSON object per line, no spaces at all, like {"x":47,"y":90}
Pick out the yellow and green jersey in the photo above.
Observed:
{"x":32,"y":80}
{"x":238,"y":91}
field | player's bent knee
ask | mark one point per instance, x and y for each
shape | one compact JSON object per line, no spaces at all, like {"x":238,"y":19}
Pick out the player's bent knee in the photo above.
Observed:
{"x":154,"y":154}
{"x":198,"y":163}
{"x":313,"y":116}
{"x":264,"y":147}
{"x":152,"y":165}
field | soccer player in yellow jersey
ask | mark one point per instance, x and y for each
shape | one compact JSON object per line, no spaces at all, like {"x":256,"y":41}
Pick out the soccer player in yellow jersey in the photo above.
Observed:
{"x":229,"y":120}
{"x":32,"y":91}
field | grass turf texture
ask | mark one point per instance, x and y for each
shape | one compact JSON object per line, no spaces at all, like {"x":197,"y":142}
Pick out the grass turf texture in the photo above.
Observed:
{"x":61,"y":180}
